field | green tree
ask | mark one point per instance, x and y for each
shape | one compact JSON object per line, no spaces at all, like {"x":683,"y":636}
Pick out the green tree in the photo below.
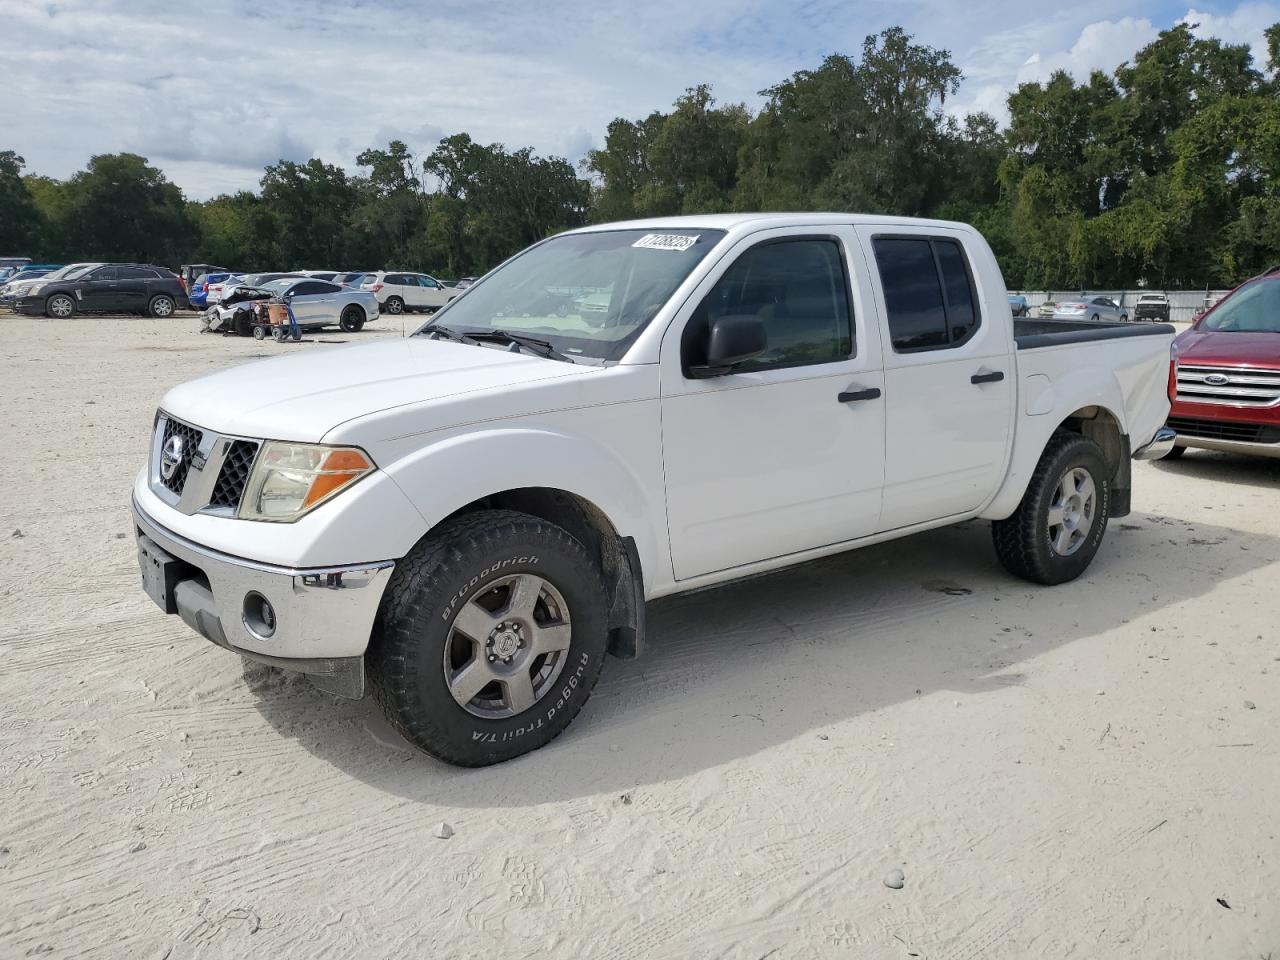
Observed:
{"x":20,"y":221}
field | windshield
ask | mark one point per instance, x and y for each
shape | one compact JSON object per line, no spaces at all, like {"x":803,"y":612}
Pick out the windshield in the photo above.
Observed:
{"x":71,"y":271}
{"x":1254,"y":308}
{"x":586,"y":294}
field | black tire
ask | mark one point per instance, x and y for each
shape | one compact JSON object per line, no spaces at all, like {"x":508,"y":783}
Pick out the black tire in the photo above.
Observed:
{"x":278,"y":333}
{"x":1023,"y":540}
{"x":1094,"y":318}
{"x":162,"y":306}
{"x":394,"y":305}
{"x":244,"y":323}
{"x":1174,"y":453}
{"x":352,"y":319}
{"x":60,"y":306}
{"x":470,"y":559}
{"x":259,"y":332}
{"x":1124,"y":318}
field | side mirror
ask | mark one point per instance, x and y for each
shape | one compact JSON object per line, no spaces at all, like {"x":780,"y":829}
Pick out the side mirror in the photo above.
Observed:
{"x":731,"y":341}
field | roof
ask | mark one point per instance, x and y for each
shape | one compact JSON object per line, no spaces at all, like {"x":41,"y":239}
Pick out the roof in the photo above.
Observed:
{"x":762,"y":221}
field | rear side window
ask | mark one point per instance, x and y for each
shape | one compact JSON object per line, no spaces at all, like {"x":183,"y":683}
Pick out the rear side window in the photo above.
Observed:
{"x":137,"y":273}
{"x":928,"y":292}
{"x":396,"y":280}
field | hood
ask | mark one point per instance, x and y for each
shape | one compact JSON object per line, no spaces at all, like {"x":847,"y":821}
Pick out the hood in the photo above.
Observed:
{"x":1224,"y":349}
{"x":304,"y":396}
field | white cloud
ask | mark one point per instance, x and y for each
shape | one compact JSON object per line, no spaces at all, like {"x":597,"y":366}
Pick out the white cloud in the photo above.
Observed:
{"x":1245,"y":24}
{"x":1032,"y":53}
{"x":211,"y":91}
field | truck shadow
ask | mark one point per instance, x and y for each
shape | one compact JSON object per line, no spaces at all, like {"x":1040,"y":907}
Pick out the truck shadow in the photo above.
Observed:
{"x":751,"y":666}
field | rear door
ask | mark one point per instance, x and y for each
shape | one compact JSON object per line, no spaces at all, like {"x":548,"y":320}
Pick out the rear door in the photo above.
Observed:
{"x":132,"y":287}
{"x":948,"y":373}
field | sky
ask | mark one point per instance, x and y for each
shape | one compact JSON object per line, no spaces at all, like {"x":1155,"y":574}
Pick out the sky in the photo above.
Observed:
{"x":212,"y":92}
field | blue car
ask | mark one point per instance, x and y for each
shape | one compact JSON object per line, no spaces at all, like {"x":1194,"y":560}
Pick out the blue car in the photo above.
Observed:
{"x":199,"y":292}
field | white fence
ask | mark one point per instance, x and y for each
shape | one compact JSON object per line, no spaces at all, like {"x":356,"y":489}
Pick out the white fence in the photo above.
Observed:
{"x":1183,"y":304}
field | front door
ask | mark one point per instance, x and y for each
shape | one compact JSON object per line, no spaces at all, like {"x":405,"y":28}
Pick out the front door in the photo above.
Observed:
{"x":100,"y":290}
{"x":785,"y":453}
{"x":948,"y":375}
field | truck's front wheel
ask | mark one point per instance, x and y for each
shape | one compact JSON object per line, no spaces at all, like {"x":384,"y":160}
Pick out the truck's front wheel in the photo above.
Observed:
{"x":1053,"y":535}
{"x":490,"y":638}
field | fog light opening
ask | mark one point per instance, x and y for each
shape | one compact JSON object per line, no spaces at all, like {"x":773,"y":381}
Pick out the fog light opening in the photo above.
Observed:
{"x":259,"y":615}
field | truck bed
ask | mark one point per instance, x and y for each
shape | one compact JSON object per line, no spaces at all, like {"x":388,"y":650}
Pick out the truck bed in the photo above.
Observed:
{"x":1031,"y":334}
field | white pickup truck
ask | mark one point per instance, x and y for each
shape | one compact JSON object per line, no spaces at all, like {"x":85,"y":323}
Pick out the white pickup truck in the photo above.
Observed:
{"x":473,"y":516}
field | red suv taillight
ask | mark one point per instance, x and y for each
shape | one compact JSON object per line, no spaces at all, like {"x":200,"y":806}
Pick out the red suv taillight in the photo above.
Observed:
{"x":1173,"y":372}
{"x":376,"y":287}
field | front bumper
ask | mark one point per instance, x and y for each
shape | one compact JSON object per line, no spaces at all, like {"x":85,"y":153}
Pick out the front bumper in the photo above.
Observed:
{"x":1230,"y":446}
{"x":29,"y":305}
{"x":322,"y":616}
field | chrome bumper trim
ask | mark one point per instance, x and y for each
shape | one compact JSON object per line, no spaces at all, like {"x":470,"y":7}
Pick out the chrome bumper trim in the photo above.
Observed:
{"x":1159,"y":446}
{"x":324,"y":615}
{"x":1230,"y":446}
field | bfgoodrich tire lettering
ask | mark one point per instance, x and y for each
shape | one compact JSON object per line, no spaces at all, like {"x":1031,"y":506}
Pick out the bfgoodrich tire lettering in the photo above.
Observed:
{"x":473,"y":560}
{"x":1025,"y":542}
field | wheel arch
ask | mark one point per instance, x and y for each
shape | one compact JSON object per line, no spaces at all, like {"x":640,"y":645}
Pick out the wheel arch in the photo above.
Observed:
{"x":1095,"y":402}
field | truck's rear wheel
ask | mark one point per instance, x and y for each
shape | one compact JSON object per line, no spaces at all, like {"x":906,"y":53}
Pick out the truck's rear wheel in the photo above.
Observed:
{"x":1054,"y":534}
{"x":490,"y":638}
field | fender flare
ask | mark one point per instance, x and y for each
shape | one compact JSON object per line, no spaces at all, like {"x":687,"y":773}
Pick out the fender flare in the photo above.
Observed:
{"x":448,"y":475}
{"x":1084,"y":388}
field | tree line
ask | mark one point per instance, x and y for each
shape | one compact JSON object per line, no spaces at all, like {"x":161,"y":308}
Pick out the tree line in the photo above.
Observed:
{"x":1162,"y":173}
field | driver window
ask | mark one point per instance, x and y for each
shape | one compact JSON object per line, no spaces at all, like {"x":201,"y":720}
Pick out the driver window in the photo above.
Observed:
{"x":798,"y":288}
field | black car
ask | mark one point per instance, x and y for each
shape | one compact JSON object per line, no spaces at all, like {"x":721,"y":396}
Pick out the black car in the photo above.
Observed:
{"x":106,"y":288}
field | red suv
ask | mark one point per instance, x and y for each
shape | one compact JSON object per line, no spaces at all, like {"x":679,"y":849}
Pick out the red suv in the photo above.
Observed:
{"x":1227,"y":374}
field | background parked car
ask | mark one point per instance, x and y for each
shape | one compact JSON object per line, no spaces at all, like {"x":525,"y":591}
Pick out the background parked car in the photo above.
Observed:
{"x":1018,"y":305}
{"x":400,"y":292}
{"x":218,"y":291}
{"x":1227,"y":374}
{"x":198,"y":292}
{"x":319,"y":303}
{"x":351,"y":278}
{"x":19,"y":281}
{"x":1045,"y":310}
{"x":106,"y":288}
{"x":318,"y":274}
{"x":1090,"y":308}
{"x":1152,"y":306}
{"x":463,"y":283}
{"x":188,"y":272}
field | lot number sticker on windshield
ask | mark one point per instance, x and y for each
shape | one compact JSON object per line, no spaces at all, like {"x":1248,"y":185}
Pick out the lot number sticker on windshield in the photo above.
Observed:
{"x":666,"y":241}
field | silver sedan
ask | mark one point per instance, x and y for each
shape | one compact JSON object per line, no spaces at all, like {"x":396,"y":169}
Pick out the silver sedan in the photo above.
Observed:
{"x":319,"y":303}
{"x":1090,"y":308}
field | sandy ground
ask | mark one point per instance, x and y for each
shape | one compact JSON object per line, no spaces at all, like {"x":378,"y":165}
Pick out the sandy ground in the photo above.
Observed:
{"x":1087,"y":771}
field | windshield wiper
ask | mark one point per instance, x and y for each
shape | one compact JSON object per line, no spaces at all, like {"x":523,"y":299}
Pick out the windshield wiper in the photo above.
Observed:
{"x":539,"y":347}
{"x":438,"y":332}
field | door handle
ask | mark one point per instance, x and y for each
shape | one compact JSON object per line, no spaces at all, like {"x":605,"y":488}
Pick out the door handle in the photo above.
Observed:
{"x":848,"y":396}
{"x":995,"y":377}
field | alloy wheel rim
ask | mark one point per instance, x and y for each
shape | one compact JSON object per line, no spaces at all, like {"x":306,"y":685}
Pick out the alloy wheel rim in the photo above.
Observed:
{"x":507,"y":645}
{"x":61,"y":307}
{"x":1072,"y":511}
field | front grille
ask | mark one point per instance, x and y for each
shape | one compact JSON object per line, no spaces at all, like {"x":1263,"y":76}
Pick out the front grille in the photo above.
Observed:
{"x":191,"y":438}
{"x":1225,"y":430}
{"x":234,"y":474}
{"x":1240,"y":386}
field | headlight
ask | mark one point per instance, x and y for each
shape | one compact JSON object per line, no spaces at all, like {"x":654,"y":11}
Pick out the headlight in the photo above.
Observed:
{"x":31,"y":291}
{"x":291,"y":479}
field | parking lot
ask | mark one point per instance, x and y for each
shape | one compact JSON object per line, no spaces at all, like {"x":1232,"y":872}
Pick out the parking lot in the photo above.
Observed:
{"x":1087,"y":770}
